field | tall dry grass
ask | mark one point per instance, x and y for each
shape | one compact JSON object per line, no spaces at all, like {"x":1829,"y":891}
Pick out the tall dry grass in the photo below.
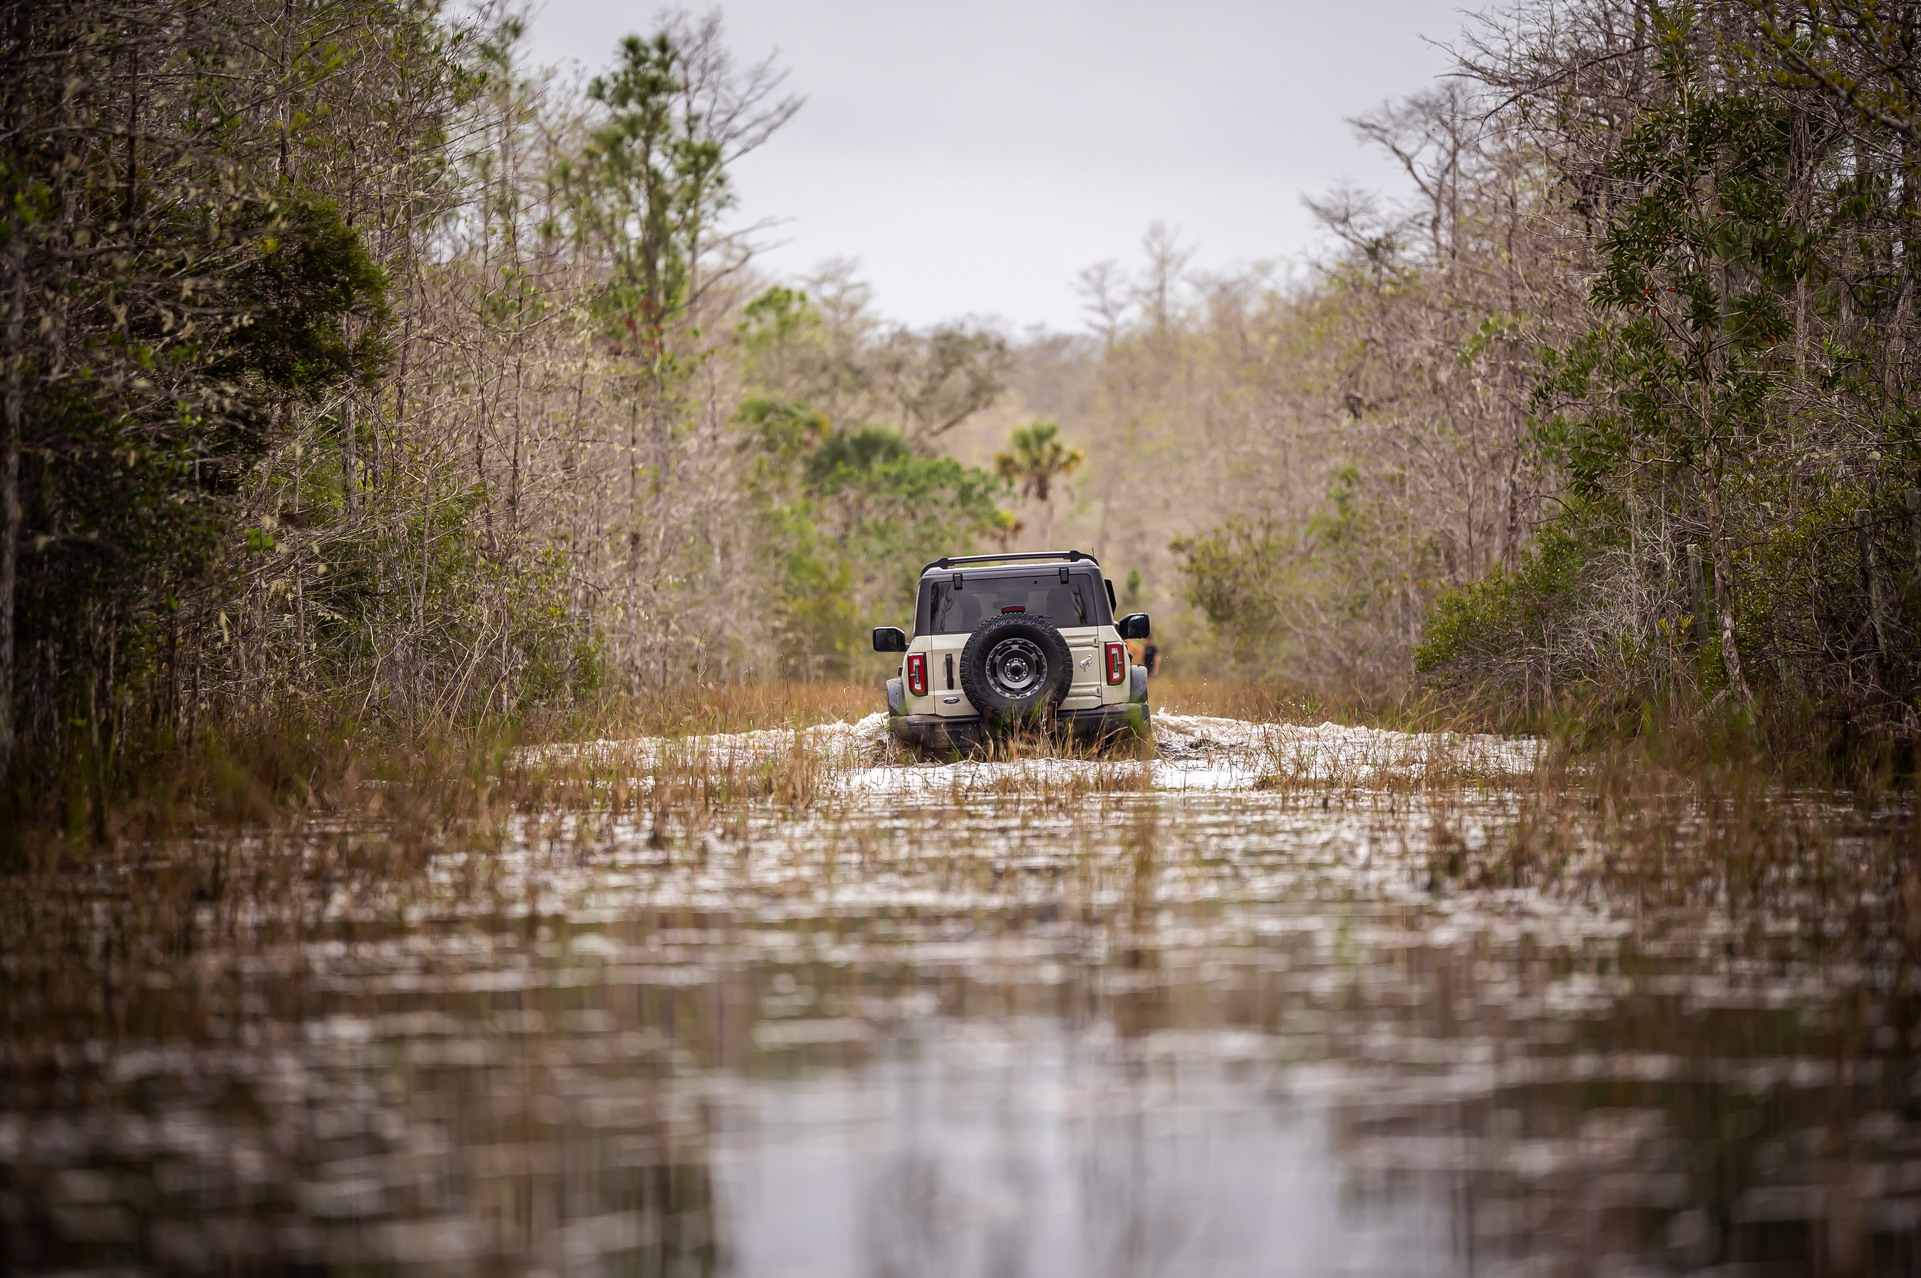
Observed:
{"x":706,"y":708}
{"x":1702,"y":810}
{"x":1673,"y":819}
{"x":1691,"y":809}
{"x":413,"y":777}
{"x":1275,"y":701}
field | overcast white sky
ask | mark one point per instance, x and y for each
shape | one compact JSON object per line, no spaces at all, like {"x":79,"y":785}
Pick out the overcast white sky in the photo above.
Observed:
{"x":974,"y":156}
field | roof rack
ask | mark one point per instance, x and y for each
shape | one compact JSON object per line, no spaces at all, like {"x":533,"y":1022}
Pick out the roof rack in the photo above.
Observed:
{"x":1071,"y":556}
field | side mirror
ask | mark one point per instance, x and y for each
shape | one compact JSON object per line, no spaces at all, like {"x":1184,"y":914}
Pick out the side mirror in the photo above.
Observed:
{"x":890,"y":639}
{"x":1133,"y":626}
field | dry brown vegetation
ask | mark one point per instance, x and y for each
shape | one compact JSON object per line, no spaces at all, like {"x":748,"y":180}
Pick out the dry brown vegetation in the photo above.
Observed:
{"x":514,"y":463}
{"x":286,"y":777}
{"x":718,"y":928}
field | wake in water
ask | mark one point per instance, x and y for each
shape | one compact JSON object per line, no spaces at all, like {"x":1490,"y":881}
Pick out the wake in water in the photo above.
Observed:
{"x":1188,"y":752}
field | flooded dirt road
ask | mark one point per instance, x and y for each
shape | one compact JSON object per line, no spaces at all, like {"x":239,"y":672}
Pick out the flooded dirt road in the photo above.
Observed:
{"x":1282,"y":1001}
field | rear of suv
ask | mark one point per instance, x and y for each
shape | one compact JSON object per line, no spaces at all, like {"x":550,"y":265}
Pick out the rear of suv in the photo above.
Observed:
{"x":1004,"y":641}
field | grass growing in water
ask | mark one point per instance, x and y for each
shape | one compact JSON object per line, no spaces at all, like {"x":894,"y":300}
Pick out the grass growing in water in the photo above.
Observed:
{"x":411,"y":776}
{"x":1689,"y":812}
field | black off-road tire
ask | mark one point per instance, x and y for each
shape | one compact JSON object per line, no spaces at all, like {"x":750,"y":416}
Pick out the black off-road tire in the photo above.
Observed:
{"x":999,"y":675}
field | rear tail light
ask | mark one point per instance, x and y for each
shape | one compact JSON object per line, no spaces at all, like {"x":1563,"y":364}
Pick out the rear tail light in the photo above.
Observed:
{"x":917,"y":673}
{"x":1116,"y":662}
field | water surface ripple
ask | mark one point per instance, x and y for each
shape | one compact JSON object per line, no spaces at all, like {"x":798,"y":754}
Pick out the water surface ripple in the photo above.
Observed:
{"x":1154,"y":1022}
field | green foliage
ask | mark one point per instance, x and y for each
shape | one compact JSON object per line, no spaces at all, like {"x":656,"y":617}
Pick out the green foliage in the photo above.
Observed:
{"x":775,"y":319}
{"x":1036,"y":456}
{"x":311,"y":274}
{"x":1474,"y":626}
{"x":849,"y":511}
{"x":1678,"y":364}
{"x":1237,"y":575}
{"x":192,"y":212}
{"x":1731,"y":422}
{"x":649,"y":181}
{"x":852,"y":458}
{"x":788,"y":432}
{"x":1278,"y":594}
{"x":131,"y":477}
{"x":863,"y":512}
{"x":788,"y":351}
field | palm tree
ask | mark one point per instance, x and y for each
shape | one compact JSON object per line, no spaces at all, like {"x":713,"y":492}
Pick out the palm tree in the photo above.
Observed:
{"x":1035,"y":456}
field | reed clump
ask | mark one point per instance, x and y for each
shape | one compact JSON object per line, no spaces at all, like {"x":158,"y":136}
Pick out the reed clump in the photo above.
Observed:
{"x":706,"y":709}
{"x":1047,"y":741}
{"x":1383,"y":766}
{"x":1052,"y":788}
{"x":1682,"y":821}
{"x":1709,"y":813}
{"x":1693,"y":813}
{"x":1406,"y":709}
{"x":417,"y":781}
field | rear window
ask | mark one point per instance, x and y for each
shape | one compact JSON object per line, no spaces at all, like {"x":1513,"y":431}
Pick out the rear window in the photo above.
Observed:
{"x":1078,"y":601}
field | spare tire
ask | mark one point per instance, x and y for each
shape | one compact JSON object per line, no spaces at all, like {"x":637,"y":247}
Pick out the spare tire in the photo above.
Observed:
{"x":1015,"y":668}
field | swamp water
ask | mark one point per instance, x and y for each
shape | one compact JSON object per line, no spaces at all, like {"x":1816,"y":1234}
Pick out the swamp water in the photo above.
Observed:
{"x":1272,"y":1004}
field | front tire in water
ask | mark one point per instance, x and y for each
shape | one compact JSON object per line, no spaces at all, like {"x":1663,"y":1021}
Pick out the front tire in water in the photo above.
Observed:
{"x":1015,"y":669}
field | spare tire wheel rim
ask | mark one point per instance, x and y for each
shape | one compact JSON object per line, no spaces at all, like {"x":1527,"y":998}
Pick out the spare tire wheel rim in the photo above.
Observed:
{"x":1016,"y":668}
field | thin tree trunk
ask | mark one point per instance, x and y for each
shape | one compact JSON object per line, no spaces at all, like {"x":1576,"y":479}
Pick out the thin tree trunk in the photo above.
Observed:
{"x":1724,"y":581}
{"x":349,"y":459}
{"x":10,"y":483}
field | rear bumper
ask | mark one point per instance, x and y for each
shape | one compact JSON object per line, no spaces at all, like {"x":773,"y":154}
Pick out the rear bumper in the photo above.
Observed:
{"x":956,"y":732}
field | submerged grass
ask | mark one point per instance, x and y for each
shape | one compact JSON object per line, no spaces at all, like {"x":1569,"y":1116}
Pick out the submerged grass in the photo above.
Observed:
{"x":1691,"y":813}
{"x":416,"y":780}
{"x":426,"y":839}
{"x":737,"y":917}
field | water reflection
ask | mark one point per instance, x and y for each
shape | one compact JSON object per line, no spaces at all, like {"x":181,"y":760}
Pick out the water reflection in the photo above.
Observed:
{"x":1201,"y":1033}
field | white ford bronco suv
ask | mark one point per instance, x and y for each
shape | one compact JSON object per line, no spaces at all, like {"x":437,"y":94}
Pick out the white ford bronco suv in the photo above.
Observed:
{"x":1006,"y":640}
